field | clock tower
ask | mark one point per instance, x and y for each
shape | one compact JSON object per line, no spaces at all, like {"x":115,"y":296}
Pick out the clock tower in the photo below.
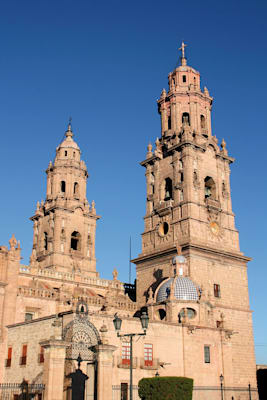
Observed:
{"x":188,"y":199}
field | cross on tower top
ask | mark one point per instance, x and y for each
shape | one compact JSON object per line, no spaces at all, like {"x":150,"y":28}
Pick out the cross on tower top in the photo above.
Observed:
{"x":183,"y":46}
{"x":183,"y":57}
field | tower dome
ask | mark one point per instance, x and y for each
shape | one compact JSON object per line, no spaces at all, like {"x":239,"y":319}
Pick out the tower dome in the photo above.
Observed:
{"x":68,"y":142}
{"x":184,"y":289}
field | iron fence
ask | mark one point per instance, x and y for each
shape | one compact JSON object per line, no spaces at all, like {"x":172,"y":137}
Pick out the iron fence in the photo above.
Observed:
{"x":13,"y":391}
{"x":199,"y":393}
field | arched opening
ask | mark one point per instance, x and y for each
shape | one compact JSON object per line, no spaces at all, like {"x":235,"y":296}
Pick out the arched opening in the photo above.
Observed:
{"x":188,"y":313}
{"x":169,"y":123}
{"x":202,"y":122}
{"x":184,"y":78}
{"x":63,"y":186}
{"x":75,"y":241}
{"x":161,"y":314}
{"x":76,"y":188}
{"x":45,"y":241}
{"x":186,"y":118}
{"x":168,"y":189}
{"x":210,"y":188}
{"x":163,"y":229}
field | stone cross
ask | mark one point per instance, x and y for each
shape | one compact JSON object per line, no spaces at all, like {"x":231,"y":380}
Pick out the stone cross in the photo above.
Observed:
{"x":183,"y":49}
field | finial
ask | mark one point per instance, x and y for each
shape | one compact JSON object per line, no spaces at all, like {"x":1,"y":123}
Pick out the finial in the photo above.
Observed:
{"x":182,"y":48}
{"x":163,"y":94}
{"x":223,"y":146}
{"x":149,"y":151}
{"x":69,"y":130}
{"x":179,"y":250}
{"x":13,"y":242}
{"x":115,"y":274}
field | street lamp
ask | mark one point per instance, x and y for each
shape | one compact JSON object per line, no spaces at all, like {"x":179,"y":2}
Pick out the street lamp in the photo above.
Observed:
{"x":117,"y":325}
{"x":221,"y":380}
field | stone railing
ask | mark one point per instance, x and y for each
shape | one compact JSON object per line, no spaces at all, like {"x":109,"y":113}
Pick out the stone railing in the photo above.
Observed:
{"x":147,"y":364}
{"x":66,"y":276}
{"x":37,"y":292}
{"x":213,"y":203}
{"x":125,"y":363}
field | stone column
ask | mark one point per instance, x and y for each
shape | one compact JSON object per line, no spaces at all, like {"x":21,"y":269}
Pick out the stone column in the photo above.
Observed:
{"x":175,"y":164}
{"x":163,"y":119}
{"x":173,"y":116}
{"x":156,"y":182}
{"x":149,"y":190}
{"x":104,"y":354}
{"x":54,"y":368}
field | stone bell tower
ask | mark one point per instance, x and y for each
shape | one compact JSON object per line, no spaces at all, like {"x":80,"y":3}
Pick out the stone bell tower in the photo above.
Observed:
{"x":65,"y":224}
{"x":188,"y":201}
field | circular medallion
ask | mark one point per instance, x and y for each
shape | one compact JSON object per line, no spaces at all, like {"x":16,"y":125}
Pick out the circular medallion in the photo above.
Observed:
{"x":214,"y":227}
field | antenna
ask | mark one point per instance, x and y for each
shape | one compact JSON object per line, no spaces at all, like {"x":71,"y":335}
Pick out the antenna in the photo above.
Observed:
{"x":130,"y":264}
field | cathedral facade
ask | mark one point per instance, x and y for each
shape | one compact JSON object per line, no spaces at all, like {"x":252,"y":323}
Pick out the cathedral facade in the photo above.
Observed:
{"x":191,"y":277}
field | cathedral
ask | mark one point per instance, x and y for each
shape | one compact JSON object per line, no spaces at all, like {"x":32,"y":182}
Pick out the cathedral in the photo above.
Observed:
{"x":191,"y":277}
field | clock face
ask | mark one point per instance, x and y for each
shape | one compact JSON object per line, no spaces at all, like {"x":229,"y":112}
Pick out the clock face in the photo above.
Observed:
{"x":214,"y":227}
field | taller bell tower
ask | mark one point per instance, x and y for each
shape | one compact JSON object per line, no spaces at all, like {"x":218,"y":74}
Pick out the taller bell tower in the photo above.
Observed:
{"x":65,"y":224}
{"x":188,"y":199}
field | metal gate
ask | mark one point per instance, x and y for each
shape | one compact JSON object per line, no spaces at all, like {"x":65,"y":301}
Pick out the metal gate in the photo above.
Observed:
{"x":18,"y":391}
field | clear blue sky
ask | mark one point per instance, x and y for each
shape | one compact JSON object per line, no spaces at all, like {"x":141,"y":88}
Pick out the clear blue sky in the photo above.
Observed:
{"x":105,"y":64}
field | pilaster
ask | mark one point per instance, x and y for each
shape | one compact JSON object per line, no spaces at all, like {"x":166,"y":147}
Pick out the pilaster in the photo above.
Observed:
{"x":104,"y":354}
{"x":54,"y":368}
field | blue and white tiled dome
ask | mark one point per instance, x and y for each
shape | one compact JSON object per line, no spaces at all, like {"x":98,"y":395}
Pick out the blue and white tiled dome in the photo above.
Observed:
{"x":184,"y":289}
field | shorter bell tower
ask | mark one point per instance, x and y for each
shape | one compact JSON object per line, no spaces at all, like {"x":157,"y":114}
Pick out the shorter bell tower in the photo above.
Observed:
{"x":65,"y":224}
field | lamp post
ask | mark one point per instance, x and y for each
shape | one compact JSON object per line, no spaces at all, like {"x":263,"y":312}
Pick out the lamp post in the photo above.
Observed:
{"x":221,"y":380}
{"x":117,"y":325}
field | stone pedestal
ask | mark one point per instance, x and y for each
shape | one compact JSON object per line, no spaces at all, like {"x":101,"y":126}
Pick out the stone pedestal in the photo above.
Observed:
{"x":54,"y":368}
{"x":104,"y":354}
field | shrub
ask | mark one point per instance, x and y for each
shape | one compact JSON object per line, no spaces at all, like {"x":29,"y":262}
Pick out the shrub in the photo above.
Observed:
{"x":166,"y":388}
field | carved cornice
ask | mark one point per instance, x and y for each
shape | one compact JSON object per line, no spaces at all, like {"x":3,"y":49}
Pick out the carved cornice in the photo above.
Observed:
{"x":190,"y":246}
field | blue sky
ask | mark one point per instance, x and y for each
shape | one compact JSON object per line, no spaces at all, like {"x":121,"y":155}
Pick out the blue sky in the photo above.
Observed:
{"x":105,"y":64}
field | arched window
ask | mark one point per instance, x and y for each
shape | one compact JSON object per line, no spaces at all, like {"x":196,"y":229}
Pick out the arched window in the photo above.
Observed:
{"x":168,"y":189}
{"x":186,"y":118}
{"x":202,"y":122}
{"x":63,"y":186}
{"x":210,"y":188}
{"x":75,"y":241}
{"x":169,"y":123}
{"x":161,"y":314}
{"x":45,"y":241}
{"x":76,"y":188}
{"x":189,"y":313}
